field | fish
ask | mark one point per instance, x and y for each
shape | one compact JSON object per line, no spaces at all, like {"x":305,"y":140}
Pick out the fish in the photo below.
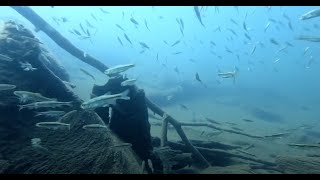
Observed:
{"x":233,"y":32}
{"x":234,"y":22}
{"x":213,"y":43}
{"x":184,"y":107}
{"x":4,"y":87}
{"x":176,"y":53}
{"x":144,"y":45}
{"x":82,"y":29}
{"x":90,"y":25}
{"x":290,"y":26}
{"x":104,"y":11}
{"x":175,"y":43}
{"x":129,"y":82}
{"x":118,"y":69}
{"x":198,"y":78}
{"x":26,"y":96}
{"x":88,"y":33}
{"x":266,"y":27}
{"x":94,"y":17}
{"x":176,"y":70}
{"x":181,"y":30}
{"x":212,"y":121}
{"x":286,"y":16}
{"x":53,"y":125}
{"x":309,"y":38}
{"x":310,"y":14}
{"x":247,"y":36}
{"x":306,"y":50}
{"x":64,"y":19}
{"x":27,"y":66}
{"x":237,"y":8}
{"x":134,"y":21}
{"x":127,"y":38}
{"x":5,"y":58}
{"x":105,"y":100}
{"x":45,"y":104}
{"x":182,"y":24}
{"x":51,"y":113}
{"x":253,"y":50}
{"x":289,"y":44}
{"x":228,"y":50}
{"x":94,"y":127}
{"x":142,"y":51}
{"x":216,"y":9}
{"x":192,"y":60}
{"x":196,"y":9}
{"x":77,"y":32}
{"x":120,"y":27}
{"x":282,"y":49}
{"x":278,"y":59}
{"x":120,"y":41}
{"x":272,"y":20}
{"x":245,"y":26}
{"x":238,"y":57}
{"x":247,"y":120}
{"x":146,"y":24}
{"x":273,"y":41}
{"x":157,"y":57}
{"x":166,"y":42}
{"x":87,"y":73}
{"x":69,"y":84}
{"x":231,"y":74}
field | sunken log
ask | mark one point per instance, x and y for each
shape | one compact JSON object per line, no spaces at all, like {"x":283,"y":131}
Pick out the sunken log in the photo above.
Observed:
{"x":42,"y":25}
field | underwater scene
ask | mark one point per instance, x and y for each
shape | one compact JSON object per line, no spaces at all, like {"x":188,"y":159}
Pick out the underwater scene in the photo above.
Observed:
{"x":159,"y":90}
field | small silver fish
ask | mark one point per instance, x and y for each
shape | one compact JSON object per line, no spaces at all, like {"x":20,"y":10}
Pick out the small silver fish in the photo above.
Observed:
{"x":4,"y":87}
{"x":118,"y":69}
{"x":129,"y":82}
{"x":51,"y":113}
{"x":105,"y":100}
{"x":31,"y":96}
{"x":5,"y":58}
{"x":27,"y":66}
{"x":45,"y":104}
{"x":94,"y":127}
{"x":53,"y":125}
{"x":311,"y":14}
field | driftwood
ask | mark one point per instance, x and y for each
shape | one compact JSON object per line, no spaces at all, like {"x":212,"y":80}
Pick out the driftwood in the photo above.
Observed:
{"x":42,"y":25}
{"x":69,"y":47}
{"x":299,"y":165}
{"x":212,"y":144}
{"x":305,"y":145}
{"x":211,"y":152}
{"x":210,"y":125}
{"x":164,"y":139}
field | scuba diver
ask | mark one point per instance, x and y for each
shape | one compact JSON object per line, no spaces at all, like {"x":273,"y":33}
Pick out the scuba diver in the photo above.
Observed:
{"x":129,"y":120}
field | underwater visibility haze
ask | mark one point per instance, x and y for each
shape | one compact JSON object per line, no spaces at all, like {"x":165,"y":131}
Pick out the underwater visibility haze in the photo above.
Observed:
{"x":250,"y":71}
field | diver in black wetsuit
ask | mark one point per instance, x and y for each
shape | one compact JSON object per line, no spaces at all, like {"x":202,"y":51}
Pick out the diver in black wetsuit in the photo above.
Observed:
{"x":129,"y":120}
